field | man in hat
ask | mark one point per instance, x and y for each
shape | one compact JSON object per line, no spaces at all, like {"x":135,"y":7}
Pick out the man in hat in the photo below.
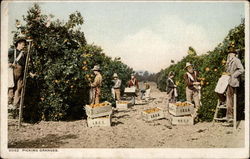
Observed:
{"x":234,"y":69}
{"x":193,"y":86}
{"x":96,"y":85}
{"x":133,"y":82}
{"x":116,"y":87}
{"x":16,"y":60}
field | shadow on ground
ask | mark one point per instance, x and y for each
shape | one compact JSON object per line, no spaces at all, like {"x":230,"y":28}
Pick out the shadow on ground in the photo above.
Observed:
{"x":50,"y":141}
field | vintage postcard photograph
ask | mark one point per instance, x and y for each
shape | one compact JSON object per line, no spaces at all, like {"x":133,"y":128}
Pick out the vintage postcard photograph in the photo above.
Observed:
{"x":124,"y":79}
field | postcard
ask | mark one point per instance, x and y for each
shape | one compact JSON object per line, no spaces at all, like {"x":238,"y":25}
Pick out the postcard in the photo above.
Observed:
{"x":124,"y":79}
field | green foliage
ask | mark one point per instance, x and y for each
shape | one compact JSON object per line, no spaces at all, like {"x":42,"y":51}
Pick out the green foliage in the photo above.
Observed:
{"x":191,"y":51}
{"x":210,"y":67}
{"x":62,"y":61}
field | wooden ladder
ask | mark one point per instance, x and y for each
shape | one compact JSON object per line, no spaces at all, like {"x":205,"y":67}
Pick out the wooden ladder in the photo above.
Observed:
{"x":223,"y":106}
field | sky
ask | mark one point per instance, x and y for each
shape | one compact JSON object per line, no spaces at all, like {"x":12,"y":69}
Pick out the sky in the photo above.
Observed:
{"x":146,"y":35}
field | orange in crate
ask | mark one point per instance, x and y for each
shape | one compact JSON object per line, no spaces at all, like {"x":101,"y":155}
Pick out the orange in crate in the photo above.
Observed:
{"x":152,"y":114}
{"x":98,"y":110}
{"x":152,"y":110}
{"x":99,"y":105}
{"x":181,"y":108}
{"x":122,"y":104}
{"x":182,"y":104}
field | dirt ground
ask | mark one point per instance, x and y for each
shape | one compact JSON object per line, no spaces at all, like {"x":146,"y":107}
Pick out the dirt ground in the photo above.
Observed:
{"x":128,"y":130}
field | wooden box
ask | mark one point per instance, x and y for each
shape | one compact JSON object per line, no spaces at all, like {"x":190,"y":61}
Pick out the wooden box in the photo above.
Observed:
{"x":182,"y":120}
{"x":93,"y":112}
{"x":130,"y":90}
{"x":176,"y":110}
{"x":153,"y":115}
{"x":123,"y":105}
{"x":99,"y":121}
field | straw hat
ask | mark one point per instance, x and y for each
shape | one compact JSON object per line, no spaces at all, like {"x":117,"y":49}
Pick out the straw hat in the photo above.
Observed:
{"x":115,"y":75}
{"x":20,"y":39}
{"x":96,"y":68}
{"x":188,"y":64}
{"x":231,"y":50}
{"x":171,"y":73}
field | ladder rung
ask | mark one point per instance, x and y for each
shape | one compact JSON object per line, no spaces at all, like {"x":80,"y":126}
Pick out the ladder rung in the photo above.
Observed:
{"x":222,"y":107}
{"x":220,"y":119}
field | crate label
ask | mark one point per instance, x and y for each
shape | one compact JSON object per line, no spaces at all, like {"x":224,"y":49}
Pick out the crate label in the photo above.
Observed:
{"x":183,"y":120}
{"x":155,"y":115}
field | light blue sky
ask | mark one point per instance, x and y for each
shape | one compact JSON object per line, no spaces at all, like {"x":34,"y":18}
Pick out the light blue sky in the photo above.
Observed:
{"x":146,"y":35}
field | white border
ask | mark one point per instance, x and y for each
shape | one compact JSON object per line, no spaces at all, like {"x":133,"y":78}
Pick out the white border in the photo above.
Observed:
{"x":119,"y":153}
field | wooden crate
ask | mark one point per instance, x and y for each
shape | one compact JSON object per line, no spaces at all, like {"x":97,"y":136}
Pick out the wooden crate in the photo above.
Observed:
{"x":99,"y":121}
{"x":130,"y":100}
{"x":130,"y":90}
{"x":153,"y":116}
{"x":123,"y":106}
{"x":181,"y":110}
{"x":182,"y":120}
{"x":98,"y":111}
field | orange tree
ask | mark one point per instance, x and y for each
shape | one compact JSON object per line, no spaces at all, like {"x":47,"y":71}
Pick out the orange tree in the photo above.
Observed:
{"x":62,"y":61}
{"x":210,"y":65}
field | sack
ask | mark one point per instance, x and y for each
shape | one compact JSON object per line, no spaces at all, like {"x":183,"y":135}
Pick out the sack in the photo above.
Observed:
{"x":222,"y":84}
{"x":11,"y":83}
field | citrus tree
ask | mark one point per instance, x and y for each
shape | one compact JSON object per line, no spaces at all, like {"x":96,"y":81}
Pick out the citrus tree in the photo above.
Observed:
{"x":210,"y":66}
{"x":62,"y":61}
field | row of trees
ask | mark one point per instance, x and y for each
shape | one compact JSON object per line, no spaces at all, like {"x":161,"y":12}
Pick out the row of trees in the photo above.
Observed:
{"x":62,"y":61}
{"x":210,"y":65}
{"x":146,"y":76}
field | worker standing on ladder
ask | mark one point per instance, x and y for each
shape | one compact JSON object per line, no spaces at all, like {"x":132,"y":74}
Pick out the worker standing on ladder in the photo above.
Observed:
{"x":234,"y":69}
{"x":16,"y":60}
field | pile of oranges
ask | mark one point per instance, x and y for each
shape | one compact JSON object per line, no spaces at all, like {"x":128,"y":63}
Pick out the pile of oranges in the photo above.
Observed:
{"x":182,"y":104}
{"x":122,"y":102}
{"x":99,"y":105}
{"x":152,"y":110}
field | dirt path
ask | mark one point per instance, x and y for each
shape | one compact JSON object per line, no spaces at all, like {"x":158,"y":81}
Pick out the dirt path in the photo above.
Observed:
{"x":128,"y":131}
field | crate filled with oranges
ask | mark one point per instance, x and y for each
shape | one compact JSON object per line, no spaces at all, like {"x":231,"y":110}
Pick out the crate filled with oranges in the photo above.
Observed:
{"x":99,"y":121}
{"x":98,"y":110}
{"x":122,"y":105}
{"x":152,"y":114}
{"x":181,"y":108}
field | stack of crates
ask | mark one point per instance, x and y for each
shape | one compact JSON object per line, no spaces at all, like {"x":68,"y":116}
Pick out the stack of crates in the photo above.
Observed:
{"x":99,"y":114}
{"x":181,"y":113}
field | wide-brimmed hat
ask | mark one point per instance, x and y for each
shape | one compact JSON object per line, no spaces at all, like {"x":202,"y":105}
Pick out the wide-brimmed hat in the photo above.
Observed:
{"x":115,"y":75}
{"x":171,"y":73}
{"x":231,"y":50}
{"x":96,"y":68}
{"x":18,"y":40}
{"x":188,"y":64}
